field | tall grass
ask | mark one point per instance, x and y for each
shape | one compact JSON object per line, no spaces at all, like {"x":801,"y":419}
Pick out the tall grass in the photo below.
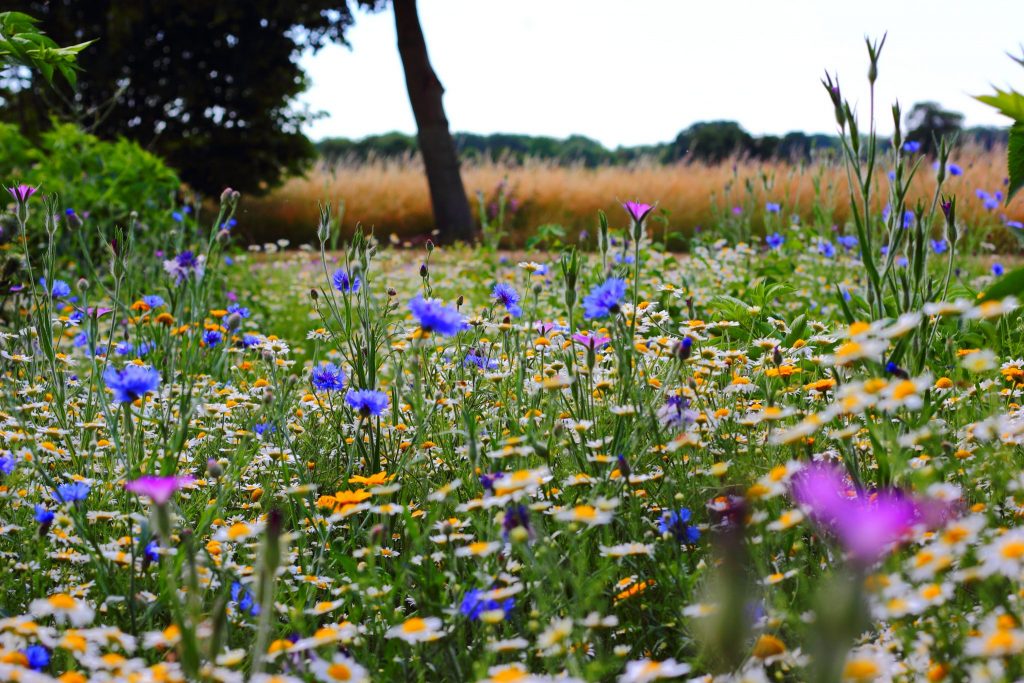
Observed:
{"x":391,"y":195}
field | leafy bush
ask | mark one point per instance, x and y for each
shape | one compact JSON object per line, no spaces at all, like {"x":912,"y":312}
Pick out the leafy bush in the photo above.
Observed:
{"x":101,"y":180}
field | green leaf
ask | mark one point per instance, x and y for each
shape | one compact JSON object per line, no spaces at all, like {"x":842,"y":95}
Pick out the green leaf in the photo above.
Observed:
{"x":1011,"y":284}
{"x":1015,"y":160}
{"x":1008,"y":102}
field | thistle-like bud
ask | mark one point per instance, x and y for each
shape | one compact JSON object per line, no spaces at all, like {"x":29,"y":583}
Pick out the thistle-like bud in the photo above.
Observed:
{"x":424,"y":271}
{"x":83,"y":285}
{"x":214,"y":469}
{"x":233,"y":322}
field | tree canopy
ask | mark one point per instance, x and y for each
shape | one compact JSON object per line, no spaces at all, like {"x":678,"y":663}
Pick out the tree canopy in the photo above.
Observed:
{"x":209,"y":86}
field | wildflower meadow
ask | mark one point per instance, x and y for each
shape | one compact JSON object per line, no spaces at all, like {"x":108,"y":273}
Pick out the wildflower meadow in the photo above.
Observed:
{"x":789,"y":454}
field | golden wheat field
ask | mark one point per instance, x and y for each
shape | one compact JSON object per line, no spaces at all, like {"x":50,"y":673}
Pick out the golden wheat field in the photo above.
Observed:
{"x":391,"y":196}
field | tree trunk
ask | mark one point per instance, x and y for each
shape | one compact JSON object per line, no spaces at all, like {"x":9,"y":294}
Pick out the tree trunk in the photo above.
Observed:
{"x":452,"y":215}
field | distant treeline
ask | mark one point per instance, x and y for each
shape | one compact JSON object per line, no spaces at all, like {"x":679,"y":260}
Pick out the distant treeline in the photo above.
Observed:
{"x":710,"y":141}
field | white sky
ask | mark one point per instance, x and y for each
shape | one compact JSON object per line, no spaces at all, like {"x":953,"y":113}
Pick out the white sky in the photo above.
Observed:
{"x":639,"y":71}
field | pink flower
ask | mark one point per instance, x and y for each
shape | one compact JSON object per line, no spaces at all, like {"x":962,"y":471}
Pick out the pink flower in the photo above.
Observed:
{"x":157,"y":489}
{"x":866,"y":524}
{"x":22,"y":192}
{"x":637,"y":211}
{"x":591,"y":341}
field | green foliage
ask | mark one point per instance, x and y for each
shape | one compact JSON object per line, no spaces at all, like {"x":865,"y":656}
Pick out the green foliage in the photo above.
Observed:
{"x":106,"y":180}
{"x":210,"y":87}
{"x":22,"y":44}
{"x":1015,"y":159}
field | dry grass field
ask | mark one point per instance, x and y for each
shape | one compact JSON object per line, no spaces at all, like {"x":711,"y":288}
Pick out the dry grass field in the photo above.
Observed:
{"x":391,"y":194}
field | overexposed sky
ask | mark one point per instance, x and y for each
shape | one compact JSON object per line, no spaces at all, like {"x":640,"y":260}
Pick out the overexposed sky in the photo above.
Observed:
{"x":639,"y":71}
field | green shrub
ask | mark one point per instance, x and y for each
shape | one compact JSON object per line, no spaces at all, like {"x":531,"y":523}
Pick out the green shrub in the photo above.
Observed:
{"x":101,"y":179}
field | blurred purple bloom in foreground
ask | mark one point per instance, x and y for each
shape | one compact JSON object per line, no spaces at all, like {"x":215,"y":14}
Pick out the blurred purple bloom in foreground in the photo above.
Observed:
{"x":157,"y":489}
{"x":867,"y":524}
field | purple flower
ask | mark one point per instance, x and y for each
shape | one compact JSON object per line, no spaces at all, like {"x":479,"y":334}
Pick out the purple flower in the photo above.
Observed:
{"x":131,"y":383}
{"x":22,"y":192}
{"x":328,"y":377}
{"x":604,"y":299}
{"x":157,"y":489}
{"x":591,"y":341}
{"x":867,"y":525}
{"x":637,"y":211}
{"x":367,"y":402}
{"x":775,"y":240}
{"x":185,"y":264}
{"x":772,"y":207}
{"x":826,"y":249}
{"x":911,"y":147}
{"x":997,"y":269}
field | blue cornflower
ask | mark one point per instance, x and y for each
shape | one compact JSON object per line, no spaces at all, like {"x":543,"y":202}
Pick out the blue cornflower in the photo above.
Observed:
{"x":152,"y":551}
{"x":1015,"y":224}
{"x":433,"y":316}
{"x":772,"y":207}
{"x":212,"y":337}
{"x":132,"y":383}
{"x":328,"y":377}
{"x":251,"y":340}
{"x":954,"y":170}
{"x":508,"y":297}
{"x":848,"y":242}
{"x":902,"y":262}
{"x":343,"y":282}
{"x":473,"y":357}
{"x":677,"y":524}
{"x":153,"y":300}
{"x":177,"y":217}
{"x":775,"y":240}
{"x":59,"y":290}
{"x":264,"y":428}
{"x":908,"y":218}
{"x":76,"y":318}
{"x":42,"y":515}
{"x":38,"y":657}
{"x":7,"y":464}
{"x":604,"y":299}
{"x":474,"y":603}
{"x":124,"y":348}
{"x":245,"y":599}
{"x":997,"y":269}
{"x":911,"y":147}
{"x":71,"y":492}
{"x":826,"y":249}
{"x":939,"y":246}
{"x":367,"y":402}
{"x":242,"y":311}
